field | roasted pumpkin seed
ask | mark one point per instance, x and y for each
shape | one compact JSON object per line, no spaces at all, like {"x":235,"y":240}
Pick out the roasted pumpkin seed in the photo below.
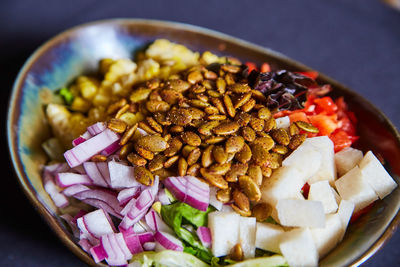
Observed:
{"x":234,"y":144}
{"x":250,"y":188}
{"x":193,"y":156}
{"x":308,"y":127}
{"x":281,"y":136}
{"x":214,"y":179}
{"x":136,"y":160}
{"x":224,"y":195}
{"x":226,"y":128}
{"x":143,"y":176}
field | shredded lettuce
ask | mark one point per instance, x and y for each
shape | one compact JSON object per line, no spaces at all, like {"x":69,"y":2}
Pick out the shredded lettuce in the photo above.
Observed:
{"x":66,"y":95}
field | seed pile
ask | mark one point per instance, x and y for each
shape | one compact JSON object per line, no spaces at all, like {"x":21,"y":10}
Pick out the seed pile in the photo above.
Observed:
{"x":208,"y":124}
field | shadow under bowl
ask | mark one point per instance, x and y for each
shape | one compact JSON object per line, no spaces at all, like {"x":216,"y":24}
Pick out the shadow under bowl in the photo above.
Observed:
{"x":57,"y":62}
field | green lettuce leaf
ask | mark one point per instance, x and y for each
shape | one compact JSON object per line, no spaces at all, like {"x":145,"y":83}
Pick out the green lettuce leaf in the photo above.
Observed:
{"x":179,"y":213}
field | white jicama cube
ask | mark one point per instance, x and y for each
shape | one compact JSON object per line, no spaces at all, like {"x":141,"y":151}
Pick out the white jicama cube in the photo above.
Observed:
{"x":283,"y":122}
{"x":285,"y":183}
{"x":322,"y":191}
{"x":327,"y":170}
{"x":224,"y":227}
{"x":327,"y":238}
{"x":268,"y":236}
{"x":354,"y":188}
{"x":298,"y":248}
{"x":376,"y":175}
{"x":306,"y":159}
{"x":345,"y":212}
{"x":301,"y":213}
{"x":247,"y":236}
{"x":347,"y":159}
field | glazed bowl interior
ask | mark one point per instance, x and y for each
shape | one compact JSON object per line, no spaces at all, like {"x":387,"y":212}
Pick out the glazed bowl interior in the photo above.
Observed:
{"x":77,"y":51}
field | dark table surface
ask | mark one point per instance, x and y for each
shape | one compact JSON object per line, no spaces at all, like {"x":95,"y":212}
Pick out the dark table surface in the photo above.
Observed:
{"x":356,"y":42}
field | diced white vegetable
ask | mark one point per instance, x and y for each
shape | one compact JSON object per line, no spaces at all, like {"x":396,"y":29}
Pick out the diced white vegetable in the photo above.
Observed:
{"x":247,"y":236}
{"x":306,"y":159}
{"x":224,"y":227}
{"x":376,"y":175}
{"x":327,"y":238}
{"x":285,"y":183}
{"x":268,"y":236}
{"x":327,"y":170}
{"x":283,"y":122}
{"x":345,"y":212}
{"x":298,"y":248}
{"x":302,"y":213}
{"x":121,"y":176}
{"x":347,"y":159}
{"x":322,"y":191}
{"x":354,"y":188}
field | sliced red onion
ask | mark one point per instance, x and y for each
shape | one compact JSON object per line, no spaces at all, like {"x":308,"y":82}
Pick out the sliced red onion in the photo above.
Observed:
{"x":98,"y":223}
{"x":125,"y":195}
{"x":106,"y":196}
{"x":122,"y":176}
{"x":102,"y":205}
{"x":128,"y":207}
{"x":50,"y":187}
{"x":85,"y":136}
{"x":105,"y":172}
{"x":85,"y":245}
{"x":98,"y":253}
{"x":133,"y":243}
{"x":65,"y":179}
{"x":90,"y":147}
{"x":141,"y":227}
{"x":163,"y":197}
{"x":70,"y":220}
{"x":56,"y":168}
{"x":79,"y":169}
{"x":115,"y":256}
{"x":96,"y":128}
{"x":166,"y":241}
{"x":74,"y":189}
{"x":78,"y":215}
{"x":213,"y":200}
{"x":149,"y":246}
{"x":146,"y":237}
{"x":85,"y":233}
{"x":190,"y":190}
{"x":111,"y":149}
{"x":204,"y":235}
{"x":154,"y":221}
{"x":94,"y":174}
{"x":142,"y":204}
{"x":123,"y":246}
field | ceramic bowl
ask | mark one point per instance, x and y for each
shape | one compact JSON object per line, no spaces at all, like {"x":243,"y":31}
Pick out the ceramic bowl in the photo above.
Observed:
{"x":78,"y":50}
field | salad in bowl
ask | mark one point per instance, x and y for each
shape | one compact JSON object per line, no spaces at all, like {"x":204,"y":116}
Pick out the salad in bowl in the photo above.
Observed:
{"x":187,"y":159}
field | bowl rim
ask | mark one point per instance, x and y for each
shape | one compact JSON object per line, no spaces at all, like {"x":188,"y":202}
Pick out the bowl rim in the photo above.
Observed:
{"x":13,"y":108}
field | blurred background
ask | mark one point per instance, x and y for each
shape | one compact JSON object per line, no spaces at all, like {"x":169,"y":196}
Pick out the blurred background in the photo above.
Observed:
{"x":355,"y":42}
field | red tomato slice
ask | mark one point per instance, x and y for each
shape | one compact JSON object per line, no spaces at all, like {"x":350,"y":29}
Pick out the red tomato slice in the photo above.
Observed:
{"x":305,"y":190}
{"x":265,"y":67}
{"x":311,"y":74}
{"x":340,"y":140}
{"x":326,"y":104}
{"x":251,"y":66}
{"x":325,"y":124}
{"x":298,"y":116}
